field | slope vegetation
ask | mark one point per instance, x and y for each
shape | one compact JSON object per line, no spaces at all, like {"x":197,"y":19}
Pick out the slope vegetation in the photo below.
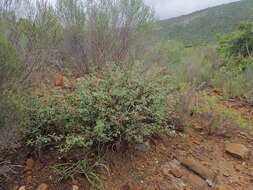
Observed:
{"x":201,"y":27}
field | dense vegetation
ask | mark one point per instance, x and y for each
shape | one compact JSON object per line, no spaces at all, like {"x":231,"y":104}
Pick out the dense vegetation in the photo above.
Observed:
{"x":201,"y":27}
{"x":115,"y":108}
{"x":91,"y":77}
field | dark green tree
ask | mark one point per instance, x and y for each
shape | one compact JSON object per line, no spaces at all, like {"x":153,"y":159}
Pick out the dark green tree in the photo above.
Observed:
{"x":238,"y":43}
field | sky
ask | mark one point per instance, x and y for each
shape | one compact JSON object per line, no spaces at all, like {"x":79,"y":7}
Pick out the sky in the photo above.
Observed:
{"x":172,"y":8}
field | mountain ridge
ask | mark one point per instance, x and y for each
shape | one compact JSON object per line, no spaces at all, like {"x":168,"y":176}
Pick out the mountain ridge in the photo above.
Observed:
{"x":201,"y":27}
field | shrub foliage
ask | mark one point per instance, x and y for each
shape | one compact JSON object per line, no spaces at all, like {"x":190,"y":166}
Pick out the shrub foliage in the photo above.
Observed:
{"x":10,"y":67}
{"x":239,"y":42}
{"x":113,"y":108}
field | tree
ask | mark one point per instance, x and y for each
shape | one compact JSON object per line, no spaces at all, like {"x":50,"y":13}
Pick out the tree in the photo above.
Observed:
{"x":239,"y":42}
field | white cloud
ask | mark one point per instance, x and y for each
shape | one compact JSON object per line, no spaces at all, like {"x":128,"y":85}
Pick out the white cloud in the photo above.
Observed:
{"x":171,"y":8}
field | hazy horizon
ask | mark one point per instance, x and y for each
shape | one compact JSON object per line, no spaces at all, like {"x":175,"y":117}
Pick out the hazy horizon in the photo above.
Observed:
{"x":172,"y":8}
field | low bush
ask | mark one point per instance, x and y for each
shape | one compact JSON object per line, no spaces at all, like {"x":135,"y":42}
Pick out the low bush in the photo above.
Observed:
{"x":218,"y":119}
{"x":235,"y":78}
{"x":109,"y":108}
{"x":182,"y":106}
{"x":196,"y":66}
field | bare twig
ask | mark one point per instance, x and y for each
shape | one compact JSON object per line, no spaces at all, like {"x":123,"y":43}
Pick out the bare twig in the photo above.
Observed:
{"x":249,"y":54}
{"x":6,"y":168}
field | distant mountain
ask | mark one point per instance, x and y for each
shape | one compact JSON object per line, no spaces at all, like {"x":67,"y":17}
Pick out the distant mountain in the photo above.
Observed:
{"x":201,"y":27}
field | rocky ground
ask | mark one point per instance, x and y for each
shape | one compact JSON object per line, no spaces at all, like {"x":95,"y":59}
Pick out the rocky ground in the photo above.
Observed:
{"x":191,"y":161}
{"x":194,"y":162}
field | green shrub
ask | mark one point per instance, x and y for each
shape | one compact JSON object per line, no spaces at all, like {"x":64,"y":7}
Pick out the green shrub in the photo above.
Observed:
{"x":114,"y":107}
{"x":219,"y":119}
{"x":239,"y":42}
{"x":196,"y":65}
{"x":11,"y":119}
{"x":10,"y":68}
{"x":182,"y":105}
{"x":235,"y":78}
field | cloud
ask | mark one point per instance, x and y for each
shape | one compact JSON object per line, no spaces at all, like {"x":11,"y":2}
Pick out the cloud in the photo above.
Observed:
{"x":171,"y":8}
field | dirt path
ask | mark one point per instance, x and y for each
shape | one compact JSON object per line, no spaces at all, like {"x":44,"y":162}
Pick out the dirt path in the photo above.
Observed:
{"x":191,"y":161}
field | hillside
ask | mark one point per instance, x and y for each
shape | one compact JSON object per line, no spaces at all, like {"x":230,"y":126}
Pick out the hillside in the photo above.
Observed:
{"x":202,"y":26}
{"x":93,"y":98}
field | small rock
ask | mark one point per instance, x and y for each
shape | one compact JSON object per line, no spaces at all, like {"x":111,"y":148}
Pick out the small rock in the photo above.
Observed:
{"x":145,"y":147}
{"x":226,"y":174}
{"x":22,"y":188}
{"x":75,"y":187}
{"x":42,"y":186}
{"x":60,"y":80}
{"x":174,"y":164}
{"x":29,"y":179}
{"x":238,"y":150}
{"x":29,"y":164}
{"x":28,"y":172}
{"x":209,"y":183}
{"x":176,"y":172}
{"x":166,"y":172}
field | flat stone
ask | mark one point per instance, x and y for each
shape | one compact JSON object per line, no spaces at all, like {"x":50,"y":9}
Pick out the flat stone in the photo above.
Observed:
{"x":198,"y":168}
{"x":226,"y":174}
{"x":166,"y":171}
{"x":42,"y":186}
{"x":172,"y":167}
{"x":238,"y":150}
{"x":174,"y":164}
{"x":176,"y":172}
